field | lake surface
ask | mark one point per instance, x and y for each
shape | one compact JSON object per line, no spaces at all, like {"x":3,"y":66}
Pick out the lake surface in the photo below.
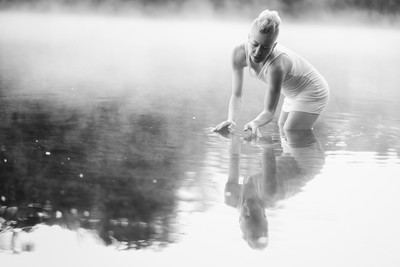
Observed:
{"x":107,"y":154}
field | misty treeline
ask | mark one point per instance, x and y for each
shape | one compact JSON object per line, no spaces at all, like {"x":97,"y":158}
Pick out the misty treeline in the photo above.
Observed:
{"x":292,"y":7}
{"x":120,"y":183}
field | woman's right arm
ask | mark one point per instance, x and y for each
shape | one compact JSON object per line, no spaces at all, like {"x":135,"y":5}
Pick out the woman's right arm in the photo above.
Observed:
{"x":235,"y":102}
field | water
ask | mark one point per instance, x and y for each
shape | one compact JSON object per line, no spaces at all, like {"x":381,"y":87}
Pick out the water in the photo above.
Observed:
{"x":106,"y":149}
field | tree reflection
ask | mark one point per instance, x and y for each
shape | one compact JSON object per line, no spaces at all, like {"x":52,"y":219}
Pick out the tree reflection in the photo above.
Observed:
{"x":102,"y":168}
{"x":282,"y":175}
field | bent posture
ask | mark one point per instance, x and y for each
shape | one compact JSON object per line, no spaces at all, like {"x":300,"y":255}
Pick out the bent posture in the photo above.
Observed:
{"x":306,"y":91}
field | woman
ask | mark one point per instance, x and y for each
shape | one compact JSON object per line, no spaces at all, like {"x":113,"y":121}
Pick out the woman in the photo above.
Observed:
{"x":306,"y":91}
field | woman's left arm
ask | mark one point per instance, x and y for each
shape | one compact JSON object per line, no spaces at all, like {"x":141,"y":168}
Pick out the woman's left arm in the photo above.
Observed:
{"x":275,"y":76}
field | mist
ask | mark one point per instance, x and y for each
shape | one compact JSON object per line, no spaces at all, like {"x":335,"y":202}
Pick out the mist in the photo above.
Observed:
{"x":104,"y":97}
{"x":337,"y":11}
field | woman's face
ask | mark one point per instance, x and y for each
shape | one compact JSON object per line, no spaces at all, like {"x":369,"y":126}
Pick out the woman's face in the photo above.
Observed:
{"x":260,"y":45}
{"x":252,"y":210}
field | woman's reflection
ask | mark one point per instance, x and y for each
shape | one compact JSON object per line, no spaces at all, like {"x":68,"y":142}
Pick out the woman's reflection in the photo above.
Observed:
{"x":282,"y":175}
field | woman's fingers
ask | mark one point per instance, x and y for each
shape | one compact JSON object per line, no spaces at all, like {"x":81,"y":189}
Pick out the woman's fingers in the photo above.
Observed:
{"x":247,"y":127}
{"x":255,"y":132}
{"x":230,"y":125}
{"x":223,"y":125}
{"x":217,"y":128}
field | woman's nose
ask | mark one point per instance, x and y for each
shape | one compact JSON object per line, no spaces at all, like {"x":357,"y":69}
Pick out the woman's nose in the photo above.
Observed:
{"x":257,"y":51}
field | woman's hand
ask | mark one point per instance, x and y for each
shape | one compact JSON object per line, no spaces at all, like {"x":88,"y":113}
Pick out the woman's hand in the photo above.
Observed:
{"x":253,"y":127}
{"x":262,"y":119}
{"x":225,"y":125}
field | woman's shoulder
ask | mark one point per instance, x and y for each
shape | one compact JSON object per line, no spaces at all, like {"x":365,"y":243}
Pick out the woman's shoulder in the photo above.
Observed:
{"x":281,"y":61}
{"x":239,"y":56}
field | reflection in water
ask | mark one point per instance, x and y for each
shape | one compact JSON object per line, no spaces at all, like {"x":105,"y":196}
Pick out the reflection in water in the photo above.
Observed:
{"x":101,"y":168}
{"x":282,"y":175}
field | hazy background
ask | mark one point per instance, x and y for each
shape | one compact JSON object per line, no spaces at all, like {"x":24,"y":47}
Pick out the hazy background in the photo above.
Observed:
{"x":294,"y":9}
{"x":105,"y":116}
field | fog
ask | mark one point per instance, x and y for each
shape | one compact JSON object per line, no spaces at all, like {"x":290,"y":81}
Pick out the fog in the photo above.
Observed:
{"x":141,"y":54}
{"x":332,"y":11}
{"x":132,"y":94}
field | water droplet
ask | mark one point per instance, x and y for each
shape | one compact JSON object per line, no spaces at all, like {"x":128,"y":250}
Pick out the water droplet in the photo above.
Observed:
{"x":194,"y":118}
{"x":3,"y":198}
{"x":154,"y":181}
{"x":86,"y":213}
{"x":81,"y":175}
{"x":5,"y":160}
{"x":47,"y":153}
{"x":74,"y":211}
{"x":58,"y":214}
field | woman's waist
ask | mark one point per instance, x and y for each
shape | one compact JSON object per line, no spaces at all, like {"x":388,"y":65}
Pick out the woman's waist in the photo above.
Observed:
{"x":313,"y":86}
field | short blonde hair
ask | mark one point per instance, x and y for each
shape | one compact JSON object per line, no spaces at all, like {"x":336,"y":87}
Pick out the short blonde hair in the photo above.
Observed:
{"x":268,"y":22}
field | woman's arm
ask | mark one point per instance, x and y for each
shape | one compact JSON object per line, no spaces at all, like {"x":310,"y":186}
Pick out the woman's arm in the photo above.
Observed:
{"x":275,"y":76}
{"x":235,"y":102}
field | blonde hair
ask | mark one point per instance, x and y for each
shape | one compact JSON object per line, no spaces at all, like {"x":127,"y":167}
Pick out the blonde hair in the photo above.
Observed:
{"x":268,"y":22}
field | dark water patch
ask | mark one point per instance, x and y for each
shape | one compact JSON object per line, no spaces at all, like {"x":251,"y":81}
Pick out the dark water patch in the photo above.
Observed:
{"x":101,"y":167}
